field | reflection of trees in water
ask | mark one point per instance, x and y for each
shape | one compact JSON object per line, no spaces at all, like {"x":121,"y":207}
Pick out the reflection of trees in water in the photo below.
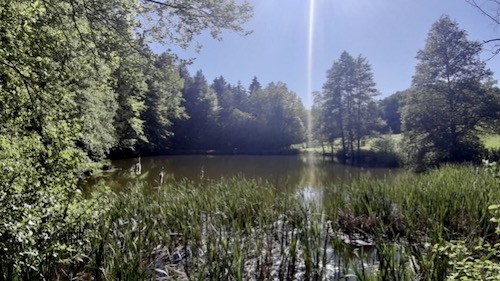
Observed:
{"x":284,"y":172}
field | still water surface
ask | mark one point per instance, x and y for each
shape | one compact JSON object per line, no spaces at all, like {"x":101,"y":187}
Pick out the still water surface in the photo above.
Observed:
{"x":284,"y":172}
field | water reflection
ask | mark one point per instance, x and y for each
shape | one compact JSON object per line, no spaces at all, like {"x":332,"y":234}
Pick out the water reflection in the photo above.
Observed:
{"x":308,"y":172}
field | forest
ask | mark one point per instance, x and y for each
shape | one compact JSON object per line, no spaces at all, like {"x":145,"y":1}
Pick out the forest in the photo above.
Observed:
{"x":79,"y":83}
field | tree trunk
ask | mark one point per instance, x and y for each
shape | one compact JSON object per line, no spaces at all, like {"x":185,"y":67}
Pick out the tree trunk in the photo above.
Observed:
{"x":323,"y":149}
{"x":331,"y":149}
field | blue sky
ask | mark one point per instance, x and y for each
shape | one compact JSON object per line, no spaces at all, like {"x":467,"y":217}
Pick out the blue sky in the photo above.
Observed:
{"x":387,"y":32}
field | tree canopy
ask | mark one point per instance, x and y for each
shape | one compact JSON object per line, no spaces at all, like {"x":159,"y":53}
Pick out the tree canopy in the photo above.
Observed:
{"x":348,"y":111}
{"x":77,"y":80}
{"x":448,"y":104}
{"x":391,"y":108}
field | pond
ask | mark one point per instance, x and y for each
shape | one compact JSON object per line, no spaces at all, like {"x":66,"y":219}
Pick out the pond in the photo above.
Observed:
{"x":304,"y":175}
{"x":303,"y":172}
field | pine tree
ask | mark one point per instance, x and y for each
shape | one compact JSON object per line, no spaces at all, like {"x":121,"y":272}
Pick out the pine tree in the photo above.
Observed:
{"x":347,"y":96}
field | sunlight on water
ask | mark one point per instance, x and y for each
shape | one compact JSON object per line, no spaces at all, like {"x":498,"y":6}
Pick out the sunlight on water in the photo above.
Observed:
{"x":310,"y":192}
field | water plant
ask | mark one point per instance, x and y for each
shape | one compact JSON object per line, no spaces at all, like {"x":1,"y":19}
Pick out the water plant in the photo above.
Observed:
{"x":241,"y":229}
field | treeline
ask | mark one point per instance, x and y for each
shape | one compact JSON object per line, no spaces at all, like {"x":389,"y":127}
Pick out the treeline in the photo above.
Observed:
{"x":83,"y":74}
{"x":181,"y":113}
{"x":453,"y":100}
{"x":231,"y":118}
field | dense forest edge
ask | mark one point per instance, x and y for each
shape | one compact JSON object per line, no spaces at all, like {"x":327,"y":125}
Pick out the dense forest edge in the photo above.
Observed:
{"x":79,"y":83}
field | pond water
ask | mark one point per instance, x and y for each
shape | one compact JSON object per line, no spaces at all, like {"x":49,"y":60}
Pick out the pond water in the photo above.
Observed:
{"x":305,"y":175}
{"x":306,"y":172}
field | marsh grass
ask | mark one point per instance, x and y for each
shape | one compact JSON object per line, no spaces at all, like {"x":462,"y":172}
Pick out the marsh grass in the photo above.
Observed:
{"x":417,"y":211}
{"x":238,"y":229}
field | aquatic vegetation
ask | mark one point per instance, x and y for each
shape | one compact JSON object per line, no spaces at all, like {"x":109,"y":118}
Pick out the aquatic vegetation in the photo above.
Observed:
{"x":240,"y":229}
{"x":248,"y":230}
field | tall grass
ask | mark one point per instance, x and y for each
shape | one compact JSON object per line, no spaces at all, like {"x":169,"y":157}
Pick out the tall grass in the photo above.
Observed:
{"x":238,"y":229}
{"x":447,"y":203}
{"x":418,"y":211}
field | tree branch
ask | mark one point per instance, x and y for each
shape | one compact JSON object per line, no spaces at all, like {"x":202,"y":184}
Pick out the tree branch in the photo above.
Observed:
{"x":178,"y":7}
{"x":491,"y":40}
{"x":475,"y":5}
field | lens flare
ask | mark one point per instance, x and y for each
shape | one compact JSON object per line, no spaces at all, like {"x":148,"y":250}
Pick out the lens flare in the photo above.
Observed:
{"x":310,"y":42}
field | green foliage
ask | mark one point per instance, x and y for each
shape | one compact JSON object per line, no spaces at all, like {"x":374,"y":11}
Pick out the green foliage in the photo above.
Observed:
{"x":384,"y":143}
{"x":202,"y":108}
{"x":183,"y":230}
{"x":479,"y":261}
{"x":163,"y":103}
{"x":149,"y":100}
{"x":472,"y":257}
{"x":180,"y":22}
{"x":69,"y":70}
{"x":491,"y":141}
{"x":226,"y":118}
{"x":448,"y":103}
{"x":237,"y":227}
{"x":40,"y":64}
{"x":391,"y":108}
{"x":254,"y":86}
{"x":45,"y":222}
{"x":279,"y":115}
{"x":131,"y":88}
{"x":234,"y":118}
{"x":346,"y":106}
{"x":88,"y":58}
{"x":445,"y":204}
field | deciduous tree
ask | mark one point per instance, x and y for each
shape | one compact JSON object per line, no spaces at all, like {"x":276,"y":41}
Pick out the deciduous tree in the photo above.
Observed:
{"x":391,"y":107}
{"x":448,"y":104}
{"x":279,"y":115}
{"x":67,"y":67}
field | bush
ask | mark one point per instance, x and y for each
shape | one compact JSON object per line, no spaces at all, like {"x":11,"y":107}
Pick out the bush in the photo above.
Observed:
{"x":478,"y":261}
{"x":44,"y":220}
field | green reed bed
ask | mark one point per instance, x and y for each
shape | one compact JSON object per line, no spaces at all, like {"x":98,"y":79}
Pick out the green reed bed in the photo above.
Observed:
{"x":237,"y":229}
{"x":417,"y":212}
{"x":448,"y":203}
{"x":227,"y":230}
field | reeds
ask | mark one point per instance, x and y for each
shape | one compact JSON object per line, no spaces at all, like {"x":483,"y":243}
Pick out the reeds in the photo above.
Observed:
{"x":238,"y":229}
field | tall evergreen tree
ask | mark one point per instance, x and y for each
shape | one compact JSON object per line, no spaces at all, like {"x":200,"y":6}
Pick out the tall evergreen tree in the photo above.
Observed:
{"x":254,"y":86}
{"x":240,"y":96}
{"x":163,"y":103}
{"x":233,"y":115}
{"x":347,"y":96}
{"x":366,"y":118}
{"x":225,"y":96}
{"x":202,"y":108}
